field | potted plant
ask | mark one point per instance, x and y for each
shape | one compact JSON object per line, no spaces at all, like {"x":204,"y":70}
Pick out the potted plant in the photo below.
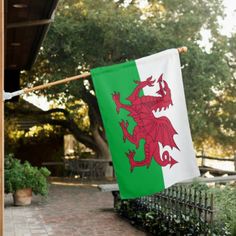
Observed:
{"x":23,"y":179}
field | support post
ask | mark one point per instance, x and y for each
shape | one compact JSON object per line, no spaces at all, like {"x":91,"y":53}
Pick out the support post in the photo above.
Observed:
{"x":1,"y":117}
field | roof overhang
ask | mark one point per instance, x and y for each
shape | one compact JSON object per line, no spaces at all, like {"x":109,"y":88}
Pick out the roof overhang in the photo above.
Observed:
{"x":26,"y":24}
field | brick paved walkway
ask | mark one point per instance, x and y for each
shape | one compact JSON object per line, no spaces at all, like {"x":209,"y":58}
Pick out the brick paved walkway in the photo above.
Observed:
{"x":68,"y":210}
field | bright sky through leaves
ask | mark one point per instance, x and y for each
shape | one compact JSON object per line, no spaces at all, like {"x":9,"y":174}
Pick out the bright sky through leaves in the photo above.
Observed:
{"x":228,"y":26}
{"x":229,"y":23}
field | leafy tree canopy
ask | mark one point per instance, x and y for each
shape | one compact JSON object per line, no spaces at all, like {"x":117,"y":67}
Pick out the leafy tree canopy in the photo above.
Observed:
{"x":88,"y":34}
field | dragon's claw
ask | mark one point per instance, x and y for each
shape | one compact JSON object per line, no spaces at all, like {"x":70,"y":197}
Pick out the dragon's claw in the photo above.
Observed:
{"x":116,"y":99}
{"x":124,"y":125}
{"x":115,"y":95}
{"x":130,"y":154}
{"x":148,"y":164}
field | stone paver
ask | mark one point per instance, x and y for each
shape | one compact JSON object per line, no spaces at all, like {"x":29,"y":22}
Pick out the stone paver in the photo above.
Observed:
{"x":68,"y":210}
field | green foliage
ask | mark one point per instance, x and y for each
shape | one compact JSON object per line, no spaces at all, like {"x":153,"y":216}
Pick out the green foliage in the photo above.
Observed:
{"x":225,"y":206}
{"x":19,"y":176}
{"x":88,"y":34}
{"x":158,"y":221}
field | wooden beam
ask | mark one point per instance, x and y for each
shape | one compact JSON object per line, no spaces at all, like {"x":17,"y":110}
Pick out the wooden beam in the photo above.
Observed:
{"x":216,"y":158}
{"x":1,"y":117}
{"x":29,"y":23}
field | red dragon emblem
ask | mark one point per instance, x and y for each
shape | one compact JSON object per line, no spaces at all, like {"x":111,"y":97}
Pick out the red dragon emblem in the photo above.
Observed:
{"x":153,"y":130}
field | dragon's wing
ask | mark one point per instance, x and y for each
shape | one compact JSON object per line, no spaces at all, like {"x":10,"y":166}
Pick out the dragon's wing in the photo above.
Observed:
{"x":160,"y":129}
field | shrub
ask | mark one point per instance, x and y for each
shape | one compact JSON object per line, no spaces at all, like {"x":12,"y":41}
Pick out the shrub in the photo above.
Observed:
{"x":225,"y":206}
{"x":19,"y":176}
{"x":159,"y":221}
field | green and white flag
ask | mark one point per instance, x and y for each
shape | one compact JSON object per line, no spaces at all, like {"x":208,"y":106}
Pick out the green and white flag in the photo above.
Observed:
{"x":144,"y":112}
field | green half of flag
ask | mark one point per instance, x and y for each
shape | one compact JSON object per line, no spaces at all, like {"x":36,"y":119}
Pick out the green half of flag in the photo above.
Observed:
{"x":120,"y":79}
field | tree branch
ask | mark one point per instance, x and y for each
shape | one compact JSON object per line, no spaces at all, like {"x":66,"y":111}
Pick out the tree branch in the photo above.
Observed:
{"x":80,"y":135}
{"x":65,"y":112}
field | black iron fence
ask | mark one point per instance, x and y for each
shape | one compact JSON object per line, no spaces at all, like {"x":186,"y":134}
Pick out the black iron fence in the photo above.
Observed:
{"x":178,"y":210}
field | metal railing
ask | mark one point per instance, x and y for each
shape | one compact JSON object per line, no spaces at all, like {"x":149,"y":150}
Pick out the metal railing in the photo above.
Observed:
{"x":173,"y":207}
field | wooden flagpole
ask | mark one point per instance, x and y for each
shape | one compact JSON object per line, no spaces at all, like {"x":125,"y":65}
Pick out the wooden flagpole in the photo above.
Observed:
{"x":77,"y":77}
{"x":62,"y":81}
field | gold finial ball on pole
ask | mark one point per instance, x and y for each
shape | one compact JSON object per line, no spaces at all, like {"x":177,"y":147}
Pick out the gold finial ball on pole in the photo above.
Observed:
{"x":182,"y":49}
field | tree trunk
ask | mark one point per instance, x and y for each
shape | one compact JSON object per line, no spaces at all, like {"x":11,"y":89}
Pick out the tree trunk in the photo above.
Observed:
{"x":103,"y":146}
